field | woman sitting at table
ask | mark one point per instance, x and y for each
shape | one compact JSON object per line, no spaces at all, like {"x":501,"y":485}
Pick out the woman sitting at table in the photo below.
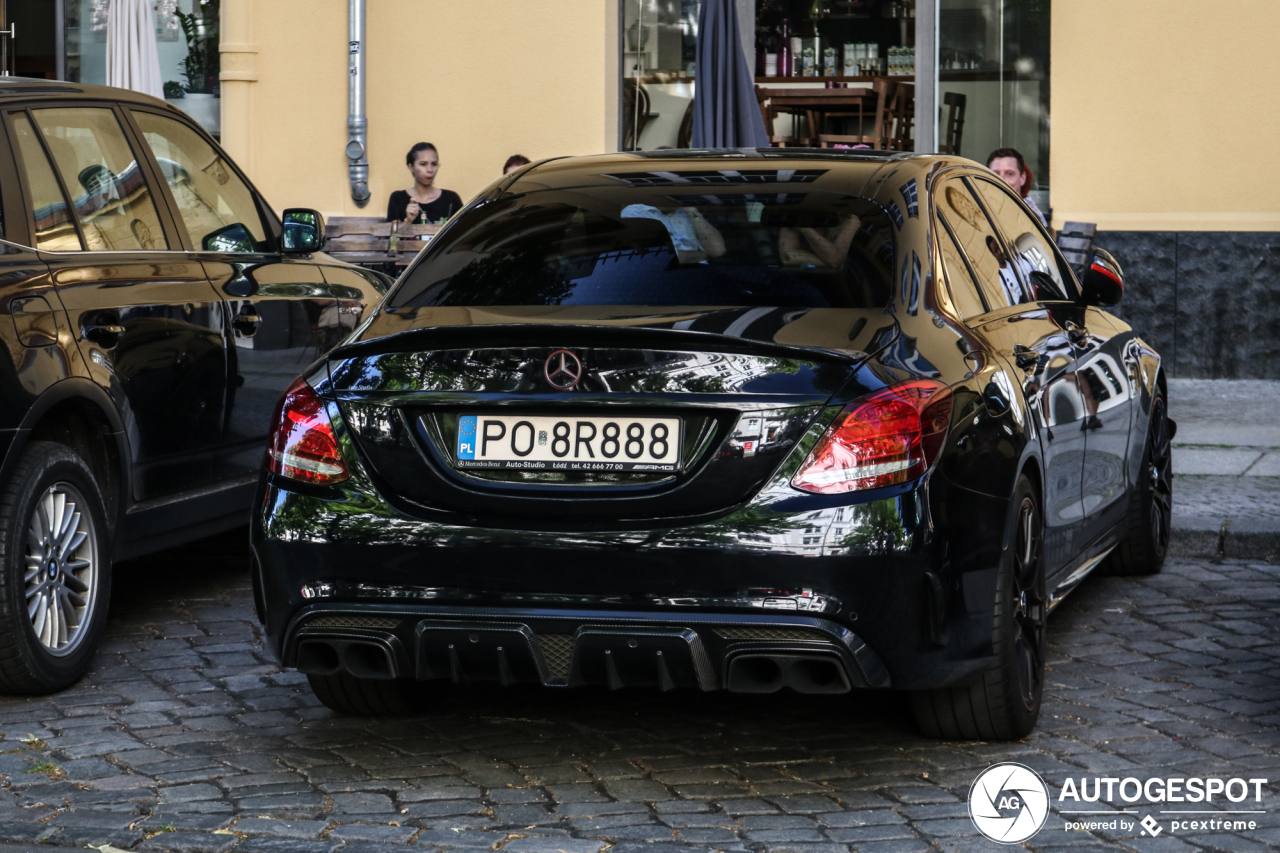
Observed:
{"x":423,"y":203}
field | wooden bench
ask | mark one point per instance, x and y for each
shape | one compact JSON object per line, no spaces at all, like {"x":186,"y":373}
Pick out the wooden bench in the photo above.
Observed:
{"x":369,"y":241}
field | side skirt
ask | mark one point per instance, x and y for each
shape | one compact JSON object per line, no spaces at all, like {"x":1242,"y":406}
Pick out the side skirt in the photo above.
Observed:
{"x":1068,"y":584}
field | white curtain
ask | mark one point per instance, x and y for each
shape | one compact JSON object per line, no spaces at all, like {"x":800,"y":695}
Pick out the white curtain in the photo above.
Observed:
{"x":132,"y":59}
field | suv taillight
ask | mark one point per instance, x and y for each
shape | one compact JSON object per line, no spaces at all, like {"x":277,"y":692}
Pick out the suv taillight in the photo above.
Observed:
{"x":888,"y":437}
{"x":302,"y":445}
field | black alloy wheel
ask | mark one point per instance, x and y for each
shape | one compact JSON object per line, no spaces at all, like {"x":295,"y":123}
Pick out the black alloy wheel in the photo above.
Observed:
{"x":1029,"y":603}
{"x":1004,"y":703}
{"x":1143,"y":550}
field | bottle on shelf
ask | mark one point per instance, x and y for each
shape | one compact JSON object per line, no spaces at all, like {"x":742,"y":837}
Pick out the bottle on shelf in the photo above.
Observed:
{"x":784,"y":49}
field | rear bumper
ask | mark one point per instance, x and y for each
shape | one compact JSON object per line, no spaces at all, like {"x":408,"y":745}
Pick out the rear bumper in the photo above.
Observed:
{"x":904,"y":601}
{"x":749,"y":653}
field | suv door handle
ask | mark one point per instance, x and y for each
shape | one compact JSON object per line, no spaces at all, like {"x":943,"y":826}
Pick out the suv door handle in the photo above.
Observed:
{"x":105,"y":336}
{"x":246,"y":324}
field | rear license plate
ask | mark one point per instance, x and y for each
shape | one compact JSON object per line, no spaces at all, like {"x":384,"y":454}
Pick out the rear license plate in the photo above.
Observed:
{"x":568,"y":444}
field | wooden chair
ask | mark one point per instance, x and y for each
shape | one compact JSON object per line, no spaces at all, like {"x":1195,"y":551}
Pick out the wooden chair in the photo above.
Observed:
{"x":371,"y":242}
{"x":684,"y":139}
{"x":769,"y":115}
{"x":955,"y":103}
{"x":635,"y":112}
{"x":885,"y":117}
{"x":903,"y":109}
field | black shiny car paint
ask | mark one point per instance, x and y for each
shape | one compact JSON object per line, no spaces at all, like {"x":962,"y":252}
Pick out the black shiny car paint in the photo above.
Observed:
{"x":171,"y":412}
{"x":1053,"y":389}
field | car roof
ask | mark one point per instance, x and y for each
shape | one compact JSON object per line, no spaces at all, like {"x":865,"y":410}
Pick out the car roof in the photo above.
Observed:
{"x":26,"y":88}
{"x":727,"y":168}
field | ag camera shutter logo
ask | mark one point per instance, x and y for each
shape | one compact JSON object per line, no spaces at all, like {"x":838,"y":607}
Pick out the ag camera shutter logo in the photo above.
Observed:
{"x":1008,"y":802}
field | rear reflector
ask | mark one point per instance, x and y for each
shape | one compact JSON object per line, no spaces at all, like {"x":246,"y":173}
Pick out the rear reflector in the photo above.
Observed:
{"x":302,"y":445}
{"x":886,"y":438}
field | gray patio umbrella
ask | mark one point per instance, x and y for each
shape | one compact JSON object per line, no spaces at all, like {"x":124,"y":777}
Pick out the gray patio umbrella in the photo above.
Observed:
{"x":725,"y":111}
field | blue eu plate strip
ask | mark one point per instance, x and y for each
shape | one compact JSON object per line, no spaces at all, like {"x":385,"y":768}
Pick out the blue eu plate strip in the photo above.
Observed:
{"x":467,"y":437}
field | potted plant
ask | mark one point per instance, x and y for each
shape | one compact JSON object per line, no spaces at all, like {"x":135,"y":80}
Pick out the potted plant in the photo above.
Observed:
{"x":199,"y":68}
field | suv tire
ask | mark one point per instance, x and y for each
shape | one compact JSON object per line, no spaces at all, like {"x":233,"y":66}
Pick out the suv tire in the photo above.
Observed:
{"x":55,"y":570}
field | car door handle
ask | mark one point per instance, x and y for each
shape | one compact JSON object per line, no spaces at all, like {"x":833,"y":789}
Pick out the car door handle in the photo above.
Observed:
{"x":105,"y":336}
{"x":246,"y":324}
{"x":1025,"y":357}
{"x":1077,"y":334}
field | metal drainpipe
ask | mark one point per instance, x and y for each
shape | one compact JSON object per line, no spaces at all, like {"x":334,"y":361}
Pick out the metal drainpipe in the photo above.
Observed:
{"x":357,"y":124}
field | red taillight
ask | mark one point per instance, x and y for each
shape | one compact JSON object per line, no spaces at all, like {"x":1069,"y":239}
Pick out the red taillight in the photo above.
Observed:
{"x":302,"y":443}
{"x":883,"y":439}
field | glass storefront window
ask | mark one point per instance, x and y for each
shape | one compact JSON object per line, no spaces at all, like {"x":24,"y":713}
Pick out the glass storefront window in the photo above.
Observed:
{"x":996,"y":54}
{"x":659,"y":51}
{"x":85,"y":31}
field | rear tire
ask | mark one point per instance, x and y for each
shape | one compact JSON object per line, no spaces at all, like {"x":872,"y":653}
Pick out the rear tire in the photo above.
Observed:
{"x":1004,"y":702}
{"x":55,"y":570}
{"x":365,"y":697}
{"x":1146,"y":543}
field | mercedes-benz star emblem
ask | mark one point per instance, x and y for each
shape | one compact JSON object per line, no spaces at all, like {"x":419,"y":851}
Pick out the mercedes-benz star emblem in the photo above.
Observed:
{"x":562,"y":370}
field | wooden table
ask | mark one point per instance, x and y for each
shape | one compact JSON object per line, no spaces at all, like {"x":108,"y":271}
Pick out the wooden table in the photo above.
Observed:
{"x":815,"y":104}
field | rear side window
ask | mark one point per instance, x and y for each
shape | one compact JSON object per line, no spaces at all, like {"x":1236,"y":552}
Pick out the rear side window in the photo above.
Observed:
{"x":109,"y":193}
{"x":661,"y":246}
{"x":55,"y":230}
{"x":217,"y":207}
{"x":964,"y":293}
{"x":981,"y":245}
{"x":1030,"y":251}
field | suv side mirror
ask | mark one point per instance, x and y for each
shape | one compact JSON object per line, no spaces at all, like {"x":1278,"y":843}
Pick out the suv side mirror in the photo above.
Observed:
{"x":303,"y":230}
{"x":1103,"y":281}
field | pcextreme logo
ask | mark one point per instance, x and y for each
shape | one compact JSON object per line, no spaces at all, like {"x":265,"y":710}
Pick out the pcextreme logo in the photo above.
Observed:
{"x":1009,"y":803}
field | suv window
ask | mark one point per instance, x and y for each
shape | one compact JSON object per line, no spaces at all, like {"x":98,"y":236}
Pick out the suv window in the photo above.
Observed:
{"x":1031,"y":252}
{"x":110,"y":194}
{"x":55,"y":232}
{"x":981,"y":245}
{"x":217,"y":207}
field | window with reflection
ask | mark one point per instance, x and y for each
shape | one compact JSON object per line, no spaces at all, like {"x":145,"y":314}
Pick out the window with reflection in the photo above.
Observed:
{"x":55,"y":230}
{"x":1030,"y":252}
{"x":109,"y":191}
{"x":663,"y":245}
{"x":995,"y":54}
{"x":660,"y":44}
{"x":980,"y":243}
{"x":218,"y":209}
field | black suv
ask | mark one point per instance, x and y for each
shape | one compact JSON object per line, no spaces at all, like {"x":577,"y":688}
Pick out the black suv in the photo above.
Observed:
{"x":157,"y":309}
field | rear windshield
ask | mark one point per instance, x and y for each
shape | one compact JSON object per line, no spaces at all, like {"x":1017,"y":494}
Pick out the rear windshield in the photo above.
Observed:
{"x":630,"y":245}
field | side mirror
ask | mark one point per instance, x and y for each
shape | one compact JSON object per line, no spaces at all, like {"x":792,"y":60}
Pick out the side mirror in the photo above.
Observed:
{"x":303,"y":230}
{"x":1103,"y":281}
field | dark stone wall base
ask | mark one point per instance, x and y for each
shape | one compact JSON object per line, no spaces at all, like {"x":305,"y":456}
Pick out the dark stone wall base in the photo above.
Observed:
{"x":1208,"y":301}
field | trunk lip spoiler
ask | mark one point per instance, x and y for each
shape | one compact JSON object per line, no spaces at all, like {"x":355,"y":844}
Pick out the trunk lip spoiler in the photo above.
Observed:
{"x":505,"y":335}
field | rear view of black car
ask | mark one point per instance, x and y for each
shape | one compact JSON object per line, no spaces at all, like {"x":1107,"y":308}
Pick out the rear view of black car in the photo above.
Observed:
{"x":822,"y":421}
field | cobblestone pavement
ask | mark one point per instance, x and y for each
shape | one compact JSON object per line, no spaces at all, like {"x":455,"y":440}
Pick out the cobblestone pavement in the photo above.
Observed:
{"x":187,"y":738}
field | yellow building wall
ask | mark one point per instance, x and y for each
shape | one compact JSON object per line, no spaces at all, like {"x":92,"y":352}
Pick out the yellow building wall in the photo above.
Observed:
{"x":1165,"y":114}
{"x":480,"y":79}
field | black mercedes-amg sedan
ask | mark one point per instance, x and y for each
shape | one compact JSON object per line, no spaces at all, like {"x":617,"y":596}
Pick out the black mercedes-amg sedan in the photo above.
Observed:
{"x":734,"y":420}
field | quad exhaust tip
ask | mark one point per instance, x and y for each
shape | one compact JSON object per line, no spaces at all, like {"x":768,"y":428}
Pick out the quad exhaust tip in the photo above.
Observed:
{"x":768,"y":673}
